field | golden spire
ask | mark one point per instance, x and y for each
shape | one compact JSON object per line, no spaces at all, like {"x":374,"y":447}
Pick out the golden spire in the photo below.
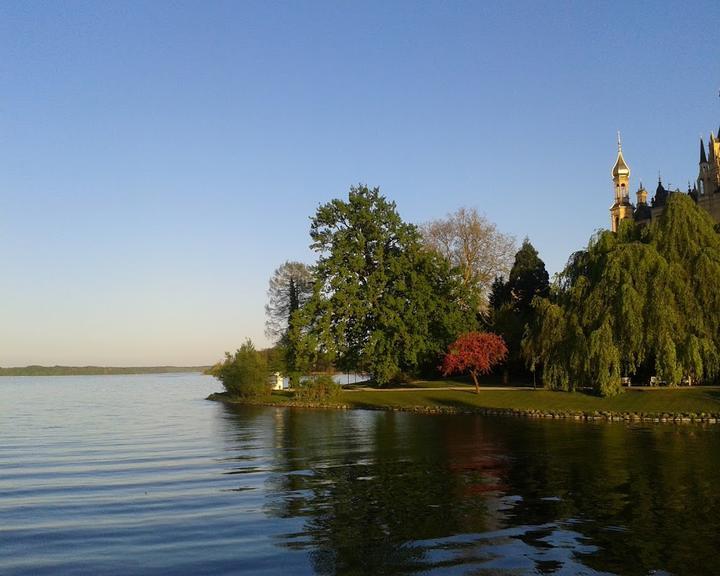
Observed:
{"x":621,"y":168}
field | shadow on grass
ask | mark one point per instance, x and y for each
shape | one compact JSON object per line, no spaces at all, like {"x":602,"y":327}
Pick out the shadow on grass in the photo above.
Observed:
{"x":491,"y":381}
{"x":460,"y":403}
{"x":712,"y":394}
{"x":453,"y":400}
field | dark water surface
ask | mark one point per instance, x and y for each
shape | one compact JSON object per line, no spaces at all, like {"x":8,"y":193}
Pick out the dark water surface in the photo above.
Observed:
{"x":140,"y":475}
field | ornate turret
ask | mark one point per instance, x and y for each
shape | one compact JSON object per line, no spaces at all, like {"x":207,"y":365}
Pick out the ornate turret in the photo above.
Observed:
{"x":702,"y":180}
{"x":660,"y":195}
{"x":711,"y":147}
{"x":708,"y":181}
{"x":642,"y":212}
{"x":620,"y":174}
{"x":622,"y":208}
{"x":621,"y":169}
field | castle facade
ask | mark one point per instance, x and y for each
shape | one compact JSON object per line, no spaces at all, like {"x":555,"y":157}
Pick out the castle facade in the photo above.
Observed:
{"x":705,"y":191}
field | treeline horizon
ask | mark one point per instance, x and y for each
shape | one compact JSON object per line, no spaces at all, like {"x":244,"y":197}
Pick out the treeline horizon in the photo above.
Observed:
{"x":59,"y":370}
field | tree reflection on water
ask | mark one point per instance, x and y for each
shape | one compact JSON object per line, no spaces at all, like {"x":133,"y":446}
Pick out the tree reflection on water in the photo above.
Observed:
{"x":396,"y":493}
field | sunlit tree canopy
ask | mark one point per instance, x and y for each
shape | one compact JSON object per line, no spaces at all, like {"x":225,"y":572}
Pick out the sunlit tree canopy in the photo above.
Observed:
{"x":642,"y":302}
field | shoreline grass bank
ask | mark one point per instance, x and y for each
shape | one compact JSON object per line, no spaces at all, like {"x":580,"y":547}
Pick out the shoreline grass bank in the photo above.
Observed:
{"x":678,"y":405}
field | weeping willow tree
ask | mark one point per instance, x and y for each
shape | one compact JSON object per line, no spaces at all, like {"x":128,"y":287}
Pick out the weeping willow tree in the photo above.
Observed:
{"x":643,"y":301}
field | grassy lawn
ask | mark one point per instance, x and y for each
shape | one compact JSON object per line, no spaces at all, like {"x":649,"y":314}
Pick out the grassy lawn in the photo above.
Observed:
{"x":454,"y":382}
{"x":677,"y":400}
{"x":449,"y":383}
{"x":418,"y":395}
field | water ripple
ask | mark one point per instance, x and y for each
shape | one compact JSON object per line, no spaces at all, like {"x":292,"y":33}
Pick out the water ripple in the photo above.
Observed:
{"x":140,"y":475}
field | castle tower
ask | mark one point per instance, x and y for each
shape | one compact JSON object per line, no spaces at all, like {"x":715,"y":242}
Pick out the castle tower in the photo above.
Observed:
{"x":621,"y":208}
{"x":704,"y":169}
{"x":708,"y":181}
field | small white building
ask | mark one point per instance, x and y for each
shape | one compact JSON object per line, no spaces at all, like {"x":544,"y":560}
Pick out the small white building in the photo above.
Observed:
{"x":278,"y":382}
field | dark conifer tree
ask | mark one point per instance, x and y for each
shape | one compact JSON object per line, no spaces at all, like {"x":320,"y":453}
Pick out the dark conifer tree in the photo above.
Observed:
{"x":512,"y":309}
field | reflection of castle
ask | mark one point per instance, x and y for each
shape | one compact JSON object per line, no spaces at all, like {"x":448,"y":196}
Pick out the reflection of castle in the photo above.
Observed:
{"x":706,"y":190}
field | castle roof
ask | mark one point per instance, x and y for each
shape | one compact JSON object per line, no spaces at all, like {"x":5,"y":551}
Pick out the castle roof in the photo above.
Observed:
{"x":660,"y":195}
{"x":621,"y":168}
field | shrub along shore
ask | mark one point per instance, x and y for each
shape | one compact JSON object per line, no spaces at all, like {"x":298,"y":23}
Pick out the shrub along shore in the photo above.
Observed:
{"x":700,"y":404}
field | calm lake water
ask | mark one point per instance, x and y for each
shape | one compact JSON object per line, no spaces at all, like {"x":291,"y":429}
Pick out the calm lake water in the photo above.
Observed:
{"x":141,"y":475}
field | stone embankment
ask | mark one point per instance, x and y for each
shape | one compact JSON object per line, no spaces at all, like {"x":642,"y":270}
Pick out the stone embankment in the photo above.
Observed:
{"x":598,"y":415}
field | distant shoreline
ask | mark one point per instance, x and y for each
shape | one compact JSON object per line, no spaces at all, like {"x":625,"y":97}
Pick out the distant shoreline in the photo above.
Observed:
{"x":96,"y":370}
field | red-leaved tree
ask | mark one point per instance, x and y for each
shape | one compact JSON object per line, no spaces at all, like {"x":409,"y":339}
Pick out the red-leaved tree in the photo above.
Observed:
{"x":476,"y":353}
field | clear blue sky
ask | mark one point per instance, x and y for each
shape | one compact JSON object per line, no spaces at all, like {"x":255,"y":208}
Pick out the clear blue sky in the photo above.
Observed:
{"x":159,"y":159}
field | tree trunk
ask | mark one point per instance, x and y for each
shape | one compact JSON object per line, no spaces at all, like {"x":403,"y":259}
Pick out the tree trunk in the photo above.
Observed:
{"x":477,"y":385}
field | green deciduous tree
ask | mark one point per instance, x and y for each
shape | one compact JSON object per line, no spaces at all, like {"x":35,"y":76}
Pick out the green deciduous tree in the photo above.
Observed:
{"x":244,"y":373}
{"x":639,"y":302}
{"x":317,"y":388}
{"x":382,"y":303}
